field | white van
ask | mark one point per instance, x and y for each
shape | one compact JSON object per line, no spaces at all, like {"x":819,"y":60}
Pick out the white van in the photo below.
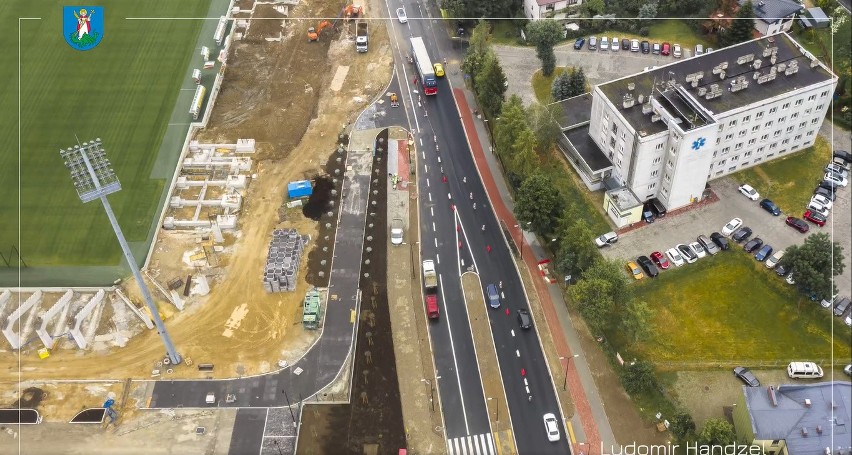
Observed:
{"x":804,"y":370}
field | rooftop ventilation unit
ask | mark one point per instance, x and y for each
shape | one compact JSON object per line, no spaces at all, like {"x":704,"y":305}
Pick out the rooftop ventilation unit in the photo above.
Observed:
{"x":772,"y":397}
{"x":647,"y":108}
{"x":628,"y":101}
{"x":631,"y":86}
{"x":702,"y":91}
{"x":695,"y":77}
{"x":656,"y":118}
{"x":781,"y":67}
{"x":814,"y":63}
{"x":804,"y":432}
{"x":772,"y":50}
{"x":748,"y":58}
{"x":773,"y":59}
{"x":756,"y":75}
{"x":641,"y":99}
{"x":756,"y":64}
{"x":766,"y":78}
{"x":694,"y":84}
{"x":722,"y":76}
{"x":793,"y":68}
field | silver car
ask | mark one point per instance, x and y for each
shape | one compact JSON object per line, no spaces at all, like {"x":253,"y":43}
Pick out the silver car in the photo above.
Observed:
{"x":708,"y":244}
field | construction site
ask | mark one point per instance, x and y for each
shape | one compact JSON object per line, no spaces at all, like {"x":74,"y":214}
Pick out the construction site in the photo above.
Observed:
{"x":289,"y":90}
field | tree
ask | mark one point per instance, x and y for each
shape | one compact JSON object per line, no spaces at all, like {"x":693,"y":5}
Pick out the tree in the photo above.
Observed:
{"x":681,"y":425}
{"x":561,"y":88}
{"x":524,"y":161}
{"x":591,"y":8}
{"x":539,"y":203}
{"x":593,"y":301}
{"x":610,"y":271}
{"x":638,"y":377}
{"x":479,"y":48}
{"x":716,"y":432}
{"x":637,"y":321}
{"x":542,"y":121}
{"x":490,"y":85}
{"x":814,"y":263}
{"x":480,"y":8}
{"x":545,"y":35}
{"x":578,"y":82}
{"x":648,"y":10}
{"x":741,"y":26}
{"x":577,"y":251}
{"x":511,"y":125}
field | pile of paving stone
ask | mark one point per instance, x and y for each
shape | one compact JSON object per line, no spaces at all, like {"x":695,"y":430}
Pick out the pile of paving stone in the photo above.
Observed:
{"x":282,"y":262}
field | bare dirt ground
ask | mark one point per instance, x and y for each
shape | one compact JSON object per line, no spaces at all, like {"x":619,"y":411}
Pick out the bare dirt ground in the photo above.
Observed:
{"x":274,"y":92}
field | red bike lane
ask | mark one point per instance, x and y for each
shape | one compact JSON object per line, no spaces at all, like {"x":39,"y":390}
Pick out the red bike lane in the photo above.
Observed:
{"x":581,"y":403}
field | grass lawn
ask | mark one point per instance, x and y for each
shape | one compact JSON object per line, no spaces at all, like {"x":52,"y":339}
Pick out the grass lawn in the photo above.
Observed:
{"x":727,"y":309}
{"x":790,"y":181}
{"x":574,"y":192}
{"x":505,"y":32}
{"x":123,"y":91}
{"x":664,"y":30}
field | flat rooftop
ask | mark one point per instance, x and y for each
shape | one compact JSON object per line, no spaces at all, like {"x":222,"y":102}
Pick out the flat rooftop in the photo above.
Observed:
{"x":574,"y":111}
{"x":748,"y":62}
{"x":624,"y":198}
{"x":586,"y":147}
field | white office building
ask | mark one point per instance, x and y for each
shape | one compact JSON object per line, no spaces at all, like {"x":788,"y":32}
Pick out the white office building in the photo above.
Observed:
{"x":666,"y":132}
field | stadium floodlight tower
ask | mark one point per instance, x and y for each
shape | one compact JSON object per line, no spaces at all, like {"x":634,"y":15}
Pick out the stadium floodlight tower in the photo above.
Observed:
{"x":95,"y":179}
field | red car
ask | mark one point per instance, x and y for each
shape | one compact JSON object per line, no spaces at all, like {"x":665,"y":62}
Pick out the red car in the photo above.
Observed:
{"x":814,"y":218}
{"x":797,"y":224}
{"x":667,"y":48}
{"x":660,"y":260}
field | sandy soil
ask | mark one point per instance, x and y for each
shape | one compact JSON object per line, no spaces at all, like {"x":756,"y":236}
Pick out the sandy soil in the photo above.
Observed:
{"x":273,"y":92}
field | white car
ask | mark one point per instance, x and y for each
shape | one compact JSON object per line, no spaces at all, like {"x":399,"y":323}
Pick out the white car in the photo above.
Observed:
{"x":400,"y":14}
{"x":749,"y":192}
{"x":396,"y":231}
{"x":836,"y":179}
{"x":732,"y":226}
{"x":822,"y":200}
{"x":615,"y":44}
{"x":697,"y":249}
{"x":818,"y":208}
{"x":676,"y":51}
{"x":790,"y":279}
{"x":837,"y":169}
{"x":774,"y":259}
{"x":604,"y":44}
{"x":684,"y":252}
{"x":607,"y":239}
{"x":848,"y":321}
{"x":551,"y":425}
{"x":825,"y":303}
{"x":675,"y":257}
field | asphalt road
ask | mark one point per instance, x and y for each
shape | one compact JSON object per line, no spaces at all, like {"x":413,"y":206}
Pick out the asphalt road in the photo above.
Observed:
{"x":528,"y":387}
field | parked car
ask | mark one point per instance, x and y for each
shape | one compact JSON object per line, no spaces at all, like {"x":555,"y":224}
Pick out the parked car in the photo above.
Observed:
{"x":646,"y":47}
{"x":742,"y":234}
{"x":830,"y":185}
{"x":782,"y":270}
{"x":720,"y":241}
{"x":687,"y":253}
{"x":607,"y":239}
{"x":763,"y":253}
{"x":797,"y":224}
{"x":745,"y":375}
{"x":400,"y":14}
{"x":814,"y":218}
{"x":593,"y":43}
{"x":836,"y":179}
{"x":655,"y":48}
{"x":774,"y":259}
{"x":749,"y":192}
{"x":841,"y":305}
{"x":848,"y":369}
{"x":843,"y":155}
{"x":493,"y":295}
{"x":604,"y":44}
{"x":397,"y":231}
{"x":770,"y":207}
{"x":807,"y":370}
{"x":829,"y":193}
{"x":660,"y":260}
{"x":524,"y":319}
{"x":818,"y":208}
{"x":697,"y":249}
{"x":676,"y":51}
{"x":732,"y":226}
{"x":648,"y":213}
{"x":789,"y":279}
{"x":825,"y":303}
{"x":667,"y":49}
{"x":837,"y":168}
{"x":613,"y":46}
{"x":579,"y":43}
{"x":675,"y":257}
{"x":699,"y":49}
{"x":822,"y":200}
{"x":708,"y":244}
{"x":634,"y":45}
{"x":848,"y":321}
{"x":625,"y":44}
{"x":752,"y":245}
{"x":648,"y":266}
{"x":551,"y":426}
{"x":634,"y":270}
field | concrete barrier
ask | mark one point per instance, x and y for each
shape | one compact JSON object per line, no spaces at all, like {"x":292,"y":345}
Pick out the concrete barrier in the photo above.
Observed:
{"x":81,"y":316}
{"x":144,"y":317}
{"x":9,"y":329}
{"x":48,"y":315}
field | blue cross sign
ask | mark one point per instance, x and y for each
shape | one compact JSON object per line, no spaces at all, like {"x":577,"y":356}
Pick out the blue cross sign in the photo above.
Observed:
{"x":698,"y":143}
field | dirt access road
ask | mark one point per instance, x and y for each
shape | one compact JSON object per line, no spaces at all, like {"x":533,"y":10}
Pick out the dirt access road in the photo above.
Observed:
{"x":277,"y":93}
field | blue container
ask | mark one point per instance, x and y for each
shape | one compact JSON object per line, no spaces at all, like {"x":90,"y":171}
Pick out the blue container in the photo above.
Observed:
{"x":302,"y":188}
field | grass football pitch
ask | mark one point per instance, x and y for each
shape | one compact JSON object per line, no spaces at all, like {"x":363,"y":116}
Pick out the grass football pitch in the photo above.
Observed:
{"x":122,"y":91}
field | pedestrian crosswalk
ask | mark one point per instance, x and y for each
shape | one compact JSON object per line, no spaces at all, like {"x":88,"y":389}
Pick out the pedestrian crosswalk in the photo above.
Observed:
{"x":478,"y":444}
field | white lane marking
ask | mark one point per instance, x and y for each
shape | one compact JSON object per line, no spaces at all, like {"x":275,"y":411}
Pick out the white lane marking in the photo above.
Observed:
{"x":426,"y":168}
{"x":431,"y":209}
{"x":436,"y":242}
{"x":421,"y":141}
{"x":517,"y":352}
{"x":438,"y":258}
{"x":427,"y":183}
{"x":424,"y":155}
{"x":453,"y":350}
{"x":512,"y":332}
{"x":433,"y":227}
{"x":430,"y":197}
{"x":476,"y":444}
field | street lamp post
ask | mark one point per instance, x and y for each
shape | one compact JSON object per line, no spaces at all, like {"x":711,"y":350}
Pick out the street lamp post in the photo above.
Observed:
{"x":94,"y":178}
{"x":567,"y":361}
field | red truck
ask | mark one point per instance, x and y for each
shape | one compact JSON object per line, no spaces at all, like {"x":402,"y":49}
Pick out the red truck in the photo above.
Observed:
{"x":430,"y":282}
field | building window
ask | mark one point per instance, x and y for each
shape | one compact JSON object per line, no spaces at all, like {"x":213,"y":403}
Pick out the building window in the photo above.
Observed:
{"x":810,"y":133}
{"x":659,"y":146}
{"x":752,"y":141}
{"x":722,"y":163}
{"x":773,"y":145}
{"x":759,"y":115}
{"x":732,"y":123}
{"x":718,"y":140}
{"x":776,"y":133}
{"x":658,"y":159}
{"x":812,"y":98}
{"x":798,"y":138}
{"x":802,"y":125}
{"x":789,"y":129}
{"x":736,"y":158}
{"x":742,"y":133}
{"x":794,"y":115}
{"x":746,"y":119}
{"x":768,"y":124}
{"x":729,"y":137}
{"x":773,"y":110}
{"x":764,"y":137}
{"x":820,"y":107}
{"x":738,"y":146}
{"x":744,"y":164}
{"x":808,"y":111}
{"x":652,"y":186}
{"x":726,"y":150}
{"x":667,"y":178}
{"x":614,"y":128}
{"x":755,"y":128}
{"x":785,"y":106}
{"x":756,"y":160}
{"x":760,"y":150}
{"x":732,"y":169}
{"x":785,"y":141}
{"x":823,"y":94}
{"x":814,"y":121}
{"x":669,"y":164}
{"x":606,"y":118}
{"x":782,"y":119}
{"x":798,"y":102}
{"x":612,"y":142}
{"x":746,"y":154}
{"x":655,"y":173}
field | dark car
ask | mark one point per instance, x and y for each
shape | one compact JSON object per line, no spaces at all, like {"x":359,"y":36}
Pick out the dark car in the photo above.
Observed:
{"x":745,"y":375}
{"x":646,"y":47}
{"x":843,"y":155}
{"x":648,"y":213}
{"x":814,"y":217}
{"x":742,"y":234}
{"x":720,"y":241}
{"x":763,"y":253}
{"x":840,"y":306}
{"x":829,"y":185}
{"x":625,"y":44}
{"x":648,"y":266}
{"x":524,"y":319}
{"x":770,"y":207}
{"x":687,"y":253}
{"x":827,"y":192}
{"x":579,"y":43}
{"x":797,"y":224}
{"x":782,"y":270}
{"x":753,"y":245}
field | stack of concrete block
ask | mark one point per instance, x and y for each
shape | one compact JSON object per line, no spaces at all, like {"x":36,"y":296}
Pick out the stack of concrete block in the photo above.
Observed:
{"x":282,"y":262}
